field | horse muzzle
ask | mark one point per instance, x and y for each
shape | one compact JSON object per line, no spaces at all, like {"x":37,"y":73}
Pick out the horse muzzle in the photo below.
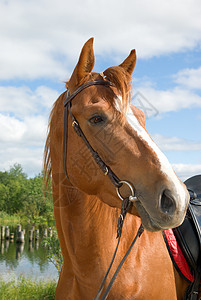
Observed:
{"x":168,"y":212}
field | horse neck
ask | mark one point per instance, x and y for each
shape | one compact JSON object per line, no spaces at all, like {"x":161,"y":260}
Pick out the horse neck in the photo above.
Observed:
{"x":90,"y":225}
{"x":88,"y":212}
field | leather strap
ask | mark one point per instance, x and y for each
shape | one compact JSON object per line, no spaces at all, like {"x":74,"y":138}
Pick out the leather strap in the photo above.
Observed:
{"x":126,"y":204}
{"x":67,"y":110}
{"x":139,"y":232}
{"x":65,"y":139}
{"x":69,"y":98}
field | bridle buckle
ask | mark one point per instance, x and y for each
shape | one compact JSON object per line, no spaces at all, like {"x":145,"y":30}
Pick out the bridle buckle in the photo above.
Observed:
{"x":132,"y":197}
{"x":75,"y":123}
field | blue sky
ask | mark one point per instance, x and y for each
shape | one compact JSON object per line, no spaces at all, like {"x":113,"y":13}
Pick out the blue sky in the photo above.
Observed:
{"x":40,"y":45}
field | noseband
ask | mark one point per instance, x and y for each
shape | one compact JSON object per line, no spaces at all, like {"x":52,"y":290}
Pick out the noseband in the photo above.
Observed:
{"x":126,"y":202}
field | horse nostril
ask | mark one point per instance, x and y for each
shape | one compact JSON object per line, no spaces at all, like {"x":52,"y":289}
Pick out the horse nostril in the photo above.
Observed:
{"x":167,"y":203}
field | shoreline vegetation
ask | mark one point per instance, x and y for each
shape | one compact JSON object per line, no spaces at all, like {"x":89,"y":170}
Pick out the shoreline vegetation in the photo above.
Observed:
{"x":22,"y":201}
{"x":6,"y":219}
{"x":27,"y":289}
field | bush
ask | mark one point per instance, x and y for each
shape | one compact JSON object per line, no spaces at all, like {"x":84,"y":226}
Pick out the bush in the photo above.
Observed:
{"x":8,"y":219}
{"x":54,"y":250}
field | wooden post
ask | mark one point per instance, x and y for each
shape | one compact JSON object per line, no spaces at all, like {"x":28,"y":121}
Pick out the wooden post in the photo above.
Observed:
{"x":19,"y":228}
{"x":20,"y":237}
{"x":12,"y":237}
{"x":2,"y":246}
{"x":7,"y":233}
{"x":2,"y":232}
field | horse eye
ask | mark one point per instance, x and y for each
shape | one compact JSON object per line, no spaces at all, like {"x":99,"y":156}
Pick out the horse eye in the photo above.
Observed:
{"x":96,"y":120}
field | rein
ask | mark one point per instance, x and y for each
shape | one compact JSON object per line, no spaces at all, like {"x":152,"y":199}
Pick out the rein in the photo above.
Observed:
{"x":126,"y":202}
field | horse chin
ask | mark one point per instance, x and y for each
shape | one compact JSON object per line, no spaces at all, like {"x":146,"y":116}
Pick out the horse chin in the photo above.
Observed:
{"x":147,"y":222}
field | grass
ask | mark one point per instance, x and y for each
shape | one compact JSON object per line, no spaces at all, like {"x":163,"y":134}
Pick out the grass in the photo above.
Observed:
{"x":10,"y":220}
{"x":6,"y":219}
{"x":26,"y":289}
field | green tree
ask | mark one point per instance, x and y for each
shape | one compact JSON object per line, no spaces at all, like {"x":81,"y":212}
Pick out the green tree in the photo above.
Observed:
{"x":17,"y":172}
{"x":19,"y":194}
{"x":36,"y":203}
{"x":4,"y":194}
{"x":12,"y":189}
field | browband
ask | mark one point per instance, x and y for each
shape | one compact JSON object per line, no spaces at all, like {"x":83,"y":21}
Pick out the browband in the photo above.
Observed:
{"x":84,"y":86}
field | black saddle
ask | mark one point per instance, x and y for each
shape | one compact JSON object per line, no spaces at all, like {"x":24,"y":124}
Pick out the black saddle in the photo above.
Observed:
{"x":188,"y":235}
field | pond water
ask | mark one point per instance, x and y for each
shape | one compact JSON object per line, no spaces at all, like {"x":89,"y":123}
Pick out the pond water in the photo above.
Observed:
{"x":28,"y":259}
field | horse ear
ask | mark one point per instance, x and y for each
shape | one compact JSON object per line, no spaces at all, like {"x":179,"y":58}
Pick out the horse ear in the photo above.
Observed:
{"x":129,"y":63}
{"x":84,"y":66}
{"x":86,"y":60}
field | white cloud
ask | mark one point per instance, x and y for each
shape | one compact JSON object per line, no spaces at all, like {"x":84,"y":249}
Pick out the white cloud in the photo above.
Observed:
{"x":190,"y":78}
{"x":12,"y":130}
{"x":170,"y":100}
{"x":175,"y":144}
{"x":23,"y":122}
{"x":22,"y":101}
{"x":22,"y":142}
{"x":31,"y":159}
{"x":43,"y":38}
{"x":36,"y":129}
{"x":185,"y":171}
{"x":24,"y":114}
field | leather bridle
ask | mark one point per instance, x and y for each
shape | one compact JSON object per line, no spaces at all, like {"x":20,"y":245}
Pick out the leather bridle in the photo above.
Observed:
{"x":126,"y":201}
{"x":67,"y":108}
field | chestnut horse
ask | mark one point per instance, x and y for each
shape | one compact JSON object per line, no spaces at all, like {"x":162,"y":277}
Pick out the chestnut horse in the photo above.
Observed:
{"x":86,"y":206}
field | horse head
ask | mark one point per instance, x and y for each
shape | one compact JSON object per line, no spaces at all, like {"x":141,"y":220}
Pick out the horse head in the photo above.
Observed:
{"x":116,"y":130}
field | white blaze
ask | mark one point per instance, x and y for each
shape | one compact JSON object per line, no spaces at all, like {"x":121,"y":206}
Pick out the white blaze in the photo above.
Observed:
{"x":119,"y":103}
{"x":165,"y":166}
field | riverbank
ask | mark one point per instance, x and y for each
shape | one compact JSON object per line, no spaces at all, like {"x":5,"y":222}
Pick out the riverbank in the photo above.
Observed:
{"x":33,"y":253}
{"x":27,"y":289}
{"x":6,"y":219}
{"x":11,"y":220}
